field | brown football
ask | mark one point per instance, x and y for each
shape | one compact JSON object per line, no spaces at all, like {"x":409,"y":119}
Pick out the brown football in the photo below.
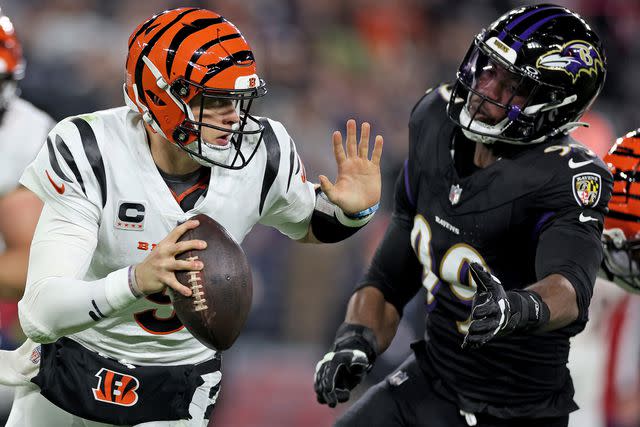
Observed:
{"x":219,"y":305}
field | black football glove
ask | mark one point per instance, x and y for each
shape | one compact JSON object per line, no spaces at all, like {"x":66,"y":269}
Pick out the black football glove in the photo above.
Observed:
{"x":340,"y":370}
{"x":496,"y":312}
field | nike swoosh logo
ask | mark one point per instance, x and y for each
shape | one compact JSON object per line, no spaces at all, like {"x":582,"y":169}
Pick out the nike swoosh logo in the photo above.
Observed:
{"x":59,"y":188}
{"x":585,"y":218}
{"x":573,"y":164}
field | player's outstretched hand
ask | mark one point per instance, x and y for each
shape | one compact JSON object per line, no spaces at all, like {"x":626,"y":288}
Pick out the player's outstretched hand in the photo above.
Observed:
{"x":358,"y":183}
{"x":490,"y":312}
{"x":158,"y":269}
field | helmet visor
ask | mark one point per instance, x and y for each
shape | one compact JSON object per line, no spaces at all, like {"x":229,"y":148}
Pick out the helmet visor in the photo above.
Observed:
{"x":495,"y":98}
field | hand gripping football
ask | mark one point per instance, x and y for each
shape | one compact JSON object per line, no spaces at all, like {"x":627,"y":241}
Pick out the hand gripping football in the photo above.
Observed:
{"x":219,"y":305}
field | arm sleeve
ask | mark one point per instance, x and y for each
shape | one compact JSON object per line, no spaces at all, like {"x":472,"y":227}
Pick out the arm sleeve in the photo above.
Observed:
{"x":570,"y":243}
{"x":56,"y":301}
{"x":291,"y":199}
{"x":395,"y":270}
{"x":573,"y":250}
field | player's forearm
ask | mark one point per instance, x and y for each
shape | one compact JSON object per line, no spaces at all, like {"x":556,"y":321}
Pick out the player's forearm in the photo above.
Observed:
{"x":13,"y":272}
{"x":329,"y":224}
{"x":369,"y":308}
{"x":560,"y":296}
{"x":58,"y":306}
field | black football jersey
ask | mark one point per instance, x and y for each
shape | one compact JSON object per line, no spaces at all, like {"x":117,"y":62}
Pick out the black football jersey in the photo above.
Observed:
{"x":536,"y":211}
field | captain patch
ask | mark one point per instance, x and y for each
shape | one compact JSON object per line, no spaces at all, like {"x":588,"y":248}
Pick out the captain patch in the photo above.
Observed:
{"x":586,"y":188}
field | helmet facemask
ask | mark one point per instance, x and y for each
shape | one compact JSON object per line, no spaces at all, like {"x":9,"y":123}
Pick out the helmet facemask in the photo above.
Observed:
{"x":529,"y":98}
{"x":208,"y":153}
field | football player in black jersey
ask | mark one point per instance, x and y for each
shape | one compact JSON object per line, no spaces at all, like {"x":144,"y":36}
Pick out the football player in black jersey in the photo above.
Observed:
{"x":498,"y":216}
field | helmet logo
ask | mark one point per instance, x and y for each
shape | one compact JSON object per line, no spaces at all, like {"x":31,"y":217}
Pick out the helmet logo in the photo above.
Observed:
{"x":574,"y":58}
{"x":252,"y":82}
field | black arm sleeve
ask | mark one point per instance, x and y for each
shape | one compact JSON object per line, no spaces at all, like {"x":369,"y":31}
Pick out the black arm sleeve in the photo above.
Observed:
{"x":570,"y":243}
{"x":395,"y":270}
{"x":572,"y":249}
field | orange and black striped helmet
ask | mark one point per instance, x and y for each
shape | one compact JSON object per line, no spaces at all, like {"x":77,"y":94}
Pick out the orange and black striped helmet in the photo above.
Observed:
{"x":183,"y":53}
{"x":621,"y":236}
{"x":12,"y":63}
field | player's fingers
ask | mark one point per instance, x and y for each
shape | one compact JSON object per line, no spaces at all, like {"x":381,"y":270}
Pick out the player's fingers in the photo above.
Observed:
{"x":484,"y":310}
{"x":377,"y":150}
{"x":342,"y":395}
{"x":338,"y":149}
{"x":172,"y":282}
{"x":352,"y":144}
{"x":187,"y":265}
{"x":188,"y":245}
{"x":482,"y":326}
{"x":177,"y":232}
{"x":478,"y":340}
{"x":363,"y":147}
{"x":326,"y":186}
{"x":480,"y":276}
{"x":330,"y":398}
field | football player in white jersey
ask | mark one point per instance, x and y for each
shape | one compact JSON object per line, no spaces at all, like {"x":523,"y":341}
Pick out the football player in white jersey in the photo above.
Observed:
{"x":116,"y":183}
{"x":23,"y":128}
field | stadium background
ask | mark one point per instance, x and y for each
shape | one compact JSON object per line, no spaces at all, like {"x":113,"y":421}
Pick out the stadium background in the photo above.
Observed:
{"x":324,"y":61}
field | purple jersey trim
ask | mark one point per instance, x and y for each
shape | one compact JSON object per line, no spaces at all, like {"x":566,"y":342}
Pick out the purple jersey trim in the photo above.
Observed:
{"x":538,"y":227}
{"x":407,"y":185}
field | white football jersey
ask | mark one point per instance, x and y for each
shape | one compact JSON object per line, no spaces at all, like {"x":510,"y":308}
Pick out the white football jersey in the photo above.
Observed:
{"x":23,"y":130}
{"x":97,"y":170}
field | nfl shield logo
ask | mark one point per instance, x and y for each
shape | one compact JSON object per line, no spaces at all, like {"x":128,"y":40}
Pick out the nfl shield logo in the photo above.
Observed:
{"x":454,"y":194}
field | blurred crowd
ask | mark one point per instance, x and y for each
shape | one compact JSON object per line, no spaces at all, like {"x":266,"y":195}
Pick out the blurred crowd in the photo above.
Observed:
{"x":324,"y":61}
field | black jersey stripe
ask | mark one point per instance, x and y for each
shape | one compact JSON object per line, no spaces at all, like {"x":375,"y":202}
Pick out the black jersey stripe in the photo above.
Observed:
{"x":92,"y":151}
{"x":623,"y":216}
{"x":273,"y":161}
{"x":224,"y":63}
{"x":140,"y":64}
{"x":625,"y":152}
{"x":97,"y":309}
{"x":146,"y":27}
{"x":298,"y":162}
{"x":53,"y":160}
{"x":202,"y":49}
{"x":68,"y":158}
{"x":186,"y":31}
{"x":292,"y":158}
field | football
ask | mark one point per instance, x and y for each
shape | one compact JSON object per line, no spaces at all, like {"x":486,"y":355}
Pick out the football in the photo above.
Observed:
{"x":219,"y":305}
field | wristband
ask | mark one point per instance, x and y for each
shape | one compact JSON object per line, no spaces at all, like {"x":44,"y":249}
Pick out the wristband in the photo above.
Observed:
{"x":133,"y":283}
{"x":364,"y":213}
{"x":358,"y":337}
{"x":529,"y":312}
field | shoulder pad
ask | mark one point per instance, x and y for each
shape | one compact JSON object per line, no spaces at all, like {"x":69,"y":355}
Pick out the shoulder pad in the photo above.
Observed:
{"x":434,"y":95}
{"x":575,"y":171}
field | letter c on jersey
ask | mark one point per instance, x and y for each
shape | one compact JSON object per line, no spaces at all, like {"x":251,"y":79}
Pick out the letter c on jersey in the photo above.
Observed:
{"x":130,"y":215}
